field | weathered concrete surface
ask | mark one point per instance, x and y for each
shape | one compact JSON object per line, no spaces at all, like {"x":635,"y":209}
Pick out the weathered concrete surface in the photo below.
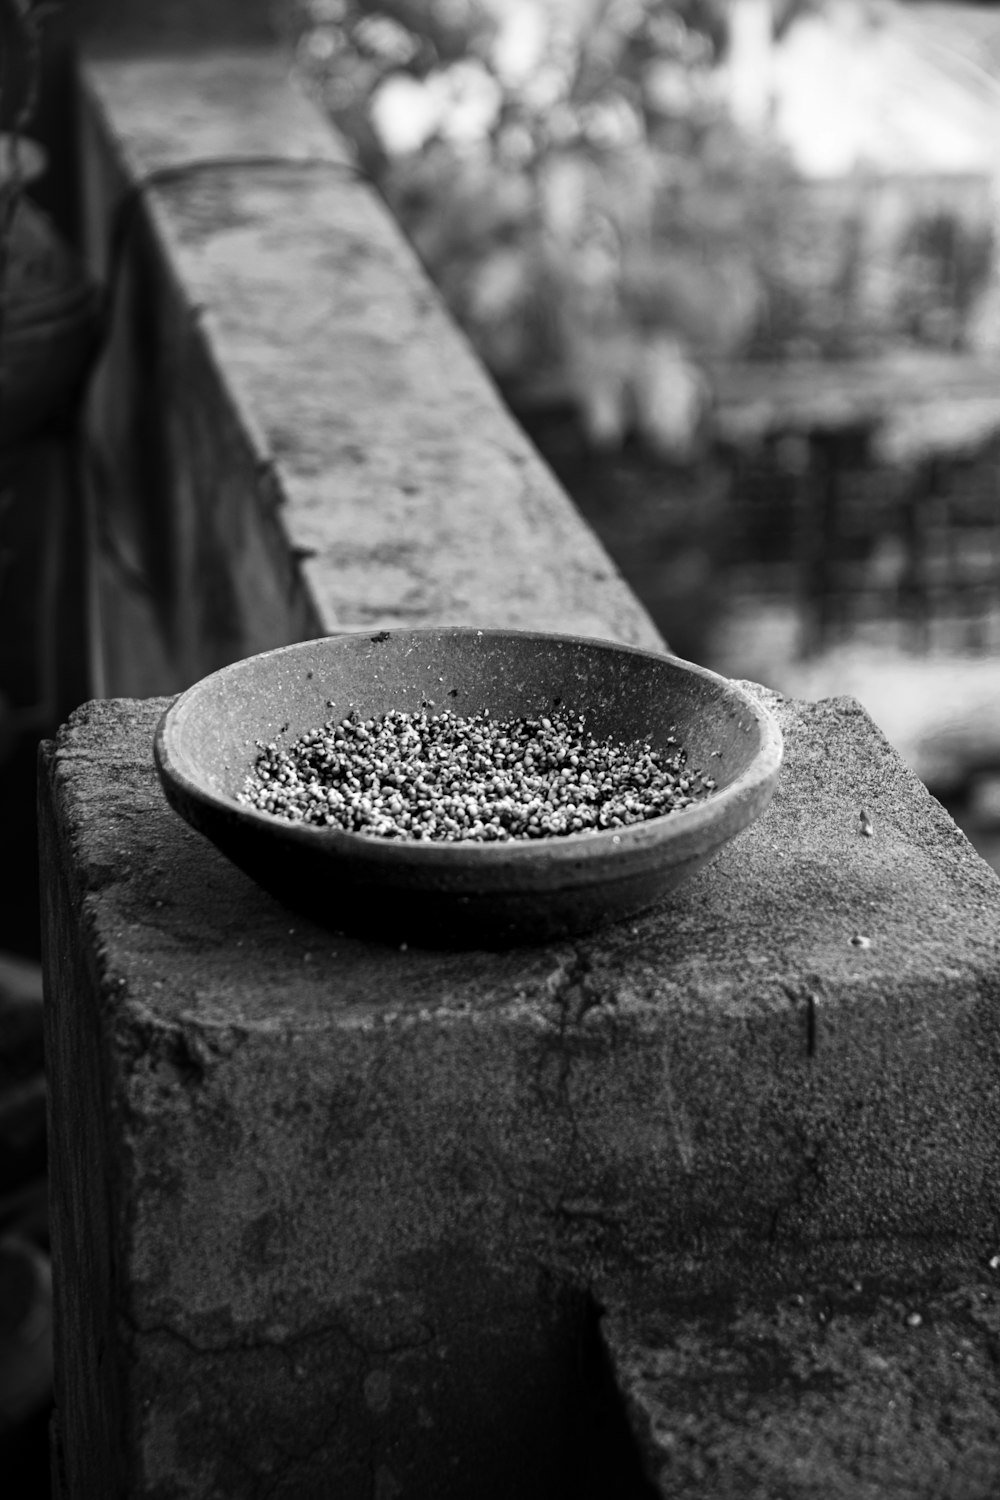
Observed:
{"x":840,"y":1380}
{"x":291,"y":436}
{"x":316,"y":1199}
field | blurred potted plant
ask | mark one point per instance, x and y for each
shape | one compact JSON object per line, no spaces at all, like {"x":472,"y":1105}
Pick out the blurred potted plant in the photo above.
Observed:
{"x":49,"y":307}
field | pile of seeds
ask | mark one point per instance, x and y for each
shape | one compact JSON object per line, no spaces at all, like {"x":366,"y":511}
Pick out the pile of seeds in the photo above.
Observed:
{"x":443,"y":776}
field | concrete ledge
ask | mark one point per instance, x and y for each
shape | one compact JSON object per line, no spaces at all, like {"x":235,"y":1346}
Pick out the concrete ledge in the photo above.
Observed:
{"x":290,"y":435}
{"x":853,"y":1380}
{"x":314,"y":1197}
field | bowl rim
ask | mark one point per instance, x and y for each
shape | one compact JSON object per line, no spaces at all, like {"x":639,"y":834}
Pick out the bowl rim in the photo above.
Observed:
{"x":682,"y":824}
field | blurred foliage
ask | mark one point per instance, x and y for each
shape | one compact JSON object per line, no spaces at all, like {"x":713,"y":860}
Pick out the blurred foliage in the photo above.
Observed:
{"x":572,"y":178}
{"x":569,"y":174}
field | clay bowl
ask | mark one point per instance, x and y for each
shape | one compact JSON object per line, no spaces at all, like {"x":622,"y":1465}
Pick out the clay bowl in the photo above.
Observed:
{"x":466,"y":894}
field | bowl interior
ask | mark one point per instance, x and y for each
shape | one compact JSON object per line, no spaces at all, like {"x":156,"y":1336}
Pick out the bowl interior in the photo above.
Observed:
{"x":624,"y":694}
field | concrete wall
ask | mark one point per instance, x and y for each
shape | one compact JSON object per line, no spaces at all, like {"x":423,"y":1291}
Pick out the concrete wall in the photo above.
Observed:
{"x":289,"y":436}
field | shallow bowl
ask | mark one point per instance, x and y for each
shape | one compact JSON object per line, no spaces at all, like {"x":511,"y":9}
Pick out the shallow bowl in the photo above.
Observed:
{"x":466,"y":894}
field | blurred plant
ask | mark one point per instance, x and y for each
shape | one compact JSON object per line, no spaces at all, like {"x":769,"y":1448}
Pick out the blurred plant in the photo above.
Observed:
{"x":21,"y":23}
{"x":20,"y":74}
{"x":569,"y":173}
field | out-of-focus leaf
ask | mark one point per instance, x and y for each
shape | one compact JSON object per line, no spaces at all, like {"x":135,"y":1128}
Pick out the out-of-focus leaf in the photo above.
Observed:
{"x":669,"y":88}
{"x":469,"y":100}
{"x":405,"y":112}
{"x":498,"y":286}
{"x":611,"y":123}
{"x":563,"y":193}
{"x":515,"y":145}
{"x":671,"y":396}
{"x":603,"y":404}
{"x":598,"y":359}
{"x":327,"y":12}
{"x":519,"y":43}
{"x":320,"y":46}
{"x":383,"y":38}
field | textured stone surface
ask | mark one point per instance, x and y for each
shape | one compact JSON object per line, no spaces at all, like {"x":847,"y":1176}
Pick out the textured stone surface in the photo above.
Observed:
{"x":312,"y":445}
{"x":335,"y":1192}
{"x":841,"y":1380}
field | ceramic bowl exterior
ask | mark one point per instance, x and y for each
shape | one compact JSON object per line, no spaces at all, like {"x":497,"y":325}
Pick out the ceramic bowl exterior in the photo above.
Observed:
{"x":466,"y":894}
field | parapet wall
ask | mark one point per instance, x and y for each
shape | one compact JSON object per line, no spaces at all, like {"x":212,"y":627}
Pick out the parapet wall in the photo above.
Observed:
{"x":289,"y":435}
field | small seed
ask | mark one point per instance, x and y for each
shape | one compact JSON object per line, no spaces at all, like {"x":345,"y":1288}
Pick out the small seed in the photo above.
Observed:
{"x":447,"y":777}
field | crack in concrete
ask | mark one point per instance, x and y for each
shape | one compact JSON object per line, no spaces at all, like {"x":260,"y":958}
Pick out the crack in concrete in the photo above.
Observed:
{"x":803,"y":1002}
{"x":576,"y":990}
{"x":286,"y":1344}
{"x":677,"y":1115}
{"x":809,"y":1178}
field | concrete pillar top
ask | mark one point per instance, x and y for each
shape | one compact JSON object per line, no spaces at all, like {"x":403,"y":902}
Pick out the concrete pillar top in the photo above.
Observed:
{"x":817,"y":993}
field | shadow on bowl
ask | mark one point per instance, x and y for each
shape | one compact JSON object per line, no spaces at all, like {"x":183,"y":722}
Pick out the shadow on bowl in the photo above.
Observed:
{"x":466,"y":894}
